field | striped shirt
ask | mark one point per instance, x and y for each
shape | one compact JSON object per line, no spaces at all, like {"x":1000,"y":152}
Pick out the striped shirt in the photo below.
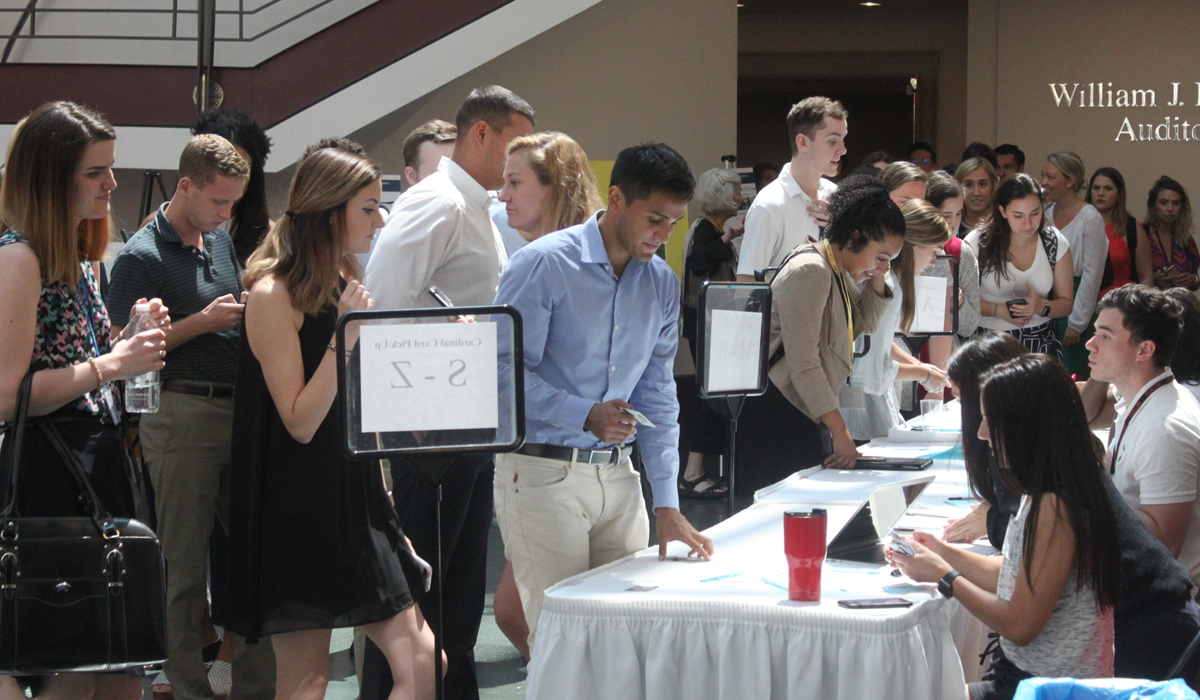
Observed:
{"x":156,"y":263}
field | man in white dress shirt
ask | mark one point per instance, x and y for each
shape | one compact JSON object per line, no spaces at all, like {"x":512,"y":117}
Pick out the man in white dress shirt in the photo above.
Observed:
{"x":439,"y":234}
{"x":790,"y":211}
{"x":1154,"y":441}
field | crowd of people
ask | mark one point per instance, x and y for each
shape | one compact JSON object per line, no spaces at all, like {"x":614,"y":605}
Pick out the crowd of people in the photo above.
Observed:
{"x":1072,"y":316}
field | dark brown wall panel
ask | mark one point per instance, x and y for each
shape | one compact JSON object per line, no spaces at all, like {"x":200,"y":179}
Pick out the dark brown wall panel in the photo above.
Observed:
{"x":274,"y":90}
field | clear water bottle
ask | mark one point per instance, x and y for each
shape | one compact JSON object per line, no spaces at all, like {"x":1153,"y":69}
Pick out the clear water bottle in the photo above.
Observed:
{"x":141,"y":392}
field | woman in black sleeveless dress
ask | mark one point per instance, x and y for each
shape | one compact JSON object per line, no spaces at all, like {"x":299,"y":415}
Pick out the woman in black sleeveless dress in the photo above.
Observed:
{"x":314,"y":542}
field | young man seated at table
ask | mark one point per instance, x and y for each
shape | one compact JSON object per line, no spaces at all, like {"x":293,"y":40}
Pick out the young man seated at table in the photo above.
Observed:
{"x":1154,"y":422}
{"x":600,"y":313}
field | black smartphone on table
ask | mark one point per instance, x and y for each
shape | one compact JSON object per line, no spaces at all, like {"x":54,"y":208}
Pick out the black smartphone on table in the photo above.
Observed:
{"x":873,"y":603}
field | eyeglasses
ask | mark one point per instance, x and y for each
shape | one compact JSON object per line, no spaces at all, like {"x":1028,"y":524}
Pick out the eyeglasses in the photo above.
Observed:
{"x":921,"y":161}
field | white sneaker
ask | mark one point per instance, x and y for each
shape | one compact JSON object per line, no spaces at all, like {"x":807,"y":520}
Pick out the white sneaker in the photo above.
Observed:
{"x":220,"y":678}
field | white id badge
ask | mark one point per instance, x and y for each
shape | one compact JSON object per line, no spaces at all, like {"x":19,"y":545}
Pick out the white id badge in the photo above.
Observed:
{"x":110,"y":402}
{"x":851,"y":397}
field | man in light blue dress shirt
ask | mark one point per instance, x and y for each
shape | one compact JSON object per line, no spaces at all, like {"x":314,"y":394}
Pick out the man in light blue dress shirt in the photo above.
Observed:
{"x":600,"y":311}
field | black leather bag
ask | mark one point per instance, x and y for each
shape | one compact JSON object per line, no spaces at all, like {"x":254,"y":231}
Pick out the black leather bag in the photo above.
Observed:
{"x":76,"y":593}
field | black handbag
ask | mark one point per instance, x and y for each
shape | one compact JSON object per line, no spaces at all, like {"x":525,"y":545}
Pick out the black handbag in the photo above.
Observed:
{"x":76,"y":593}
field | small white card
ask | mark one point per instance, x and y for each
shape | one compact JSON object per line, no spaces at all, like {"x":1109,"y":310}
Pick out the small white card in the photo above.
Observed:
{"x":851,"y":397}
{"x":639,"y":417}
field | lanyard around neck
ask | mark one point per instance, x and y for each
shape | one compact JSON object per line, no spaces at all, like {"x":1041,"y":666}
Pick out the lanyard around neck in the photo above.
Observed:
{"x":85,"y":302}
{"x":1129,"y":419}
{"x":841,"y":283}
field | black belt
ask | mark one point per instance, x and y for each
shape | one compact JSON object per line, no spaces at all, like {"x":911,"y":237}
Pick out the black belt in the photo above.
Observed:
{"x":569,"y":454}
{"x":205,"y":389}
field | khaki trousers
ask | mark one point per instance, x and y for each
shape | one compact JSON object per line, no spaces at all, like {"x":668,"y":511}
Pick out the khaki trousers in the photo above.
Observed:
{"x":559,"y":519}
{"x":186,"y":445}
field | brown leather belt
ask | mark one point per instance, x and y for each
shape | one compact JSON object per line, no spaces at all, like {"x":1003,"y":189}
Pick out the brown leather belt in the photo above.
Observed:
{"x":205,"y":389}
{"x":570,"y":454}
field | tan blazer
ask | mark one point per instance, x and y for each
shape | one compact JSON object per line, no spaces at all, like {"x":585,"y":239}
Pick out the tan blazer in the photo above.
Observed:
{"x":808,"y":317}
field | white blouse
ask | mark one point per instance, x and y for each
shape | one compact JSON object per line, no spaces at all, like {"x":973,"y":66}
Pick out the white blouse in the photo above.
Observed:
{"x":1089,"y":242}
{"x":998,"y":288}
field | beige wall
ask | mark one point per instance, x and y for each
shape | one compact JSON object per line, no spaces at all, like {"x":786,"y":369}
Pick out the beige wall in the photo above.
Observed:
{"x":895,"y":33}
{"x":1075,"y":41}
{"x":620,"y":73}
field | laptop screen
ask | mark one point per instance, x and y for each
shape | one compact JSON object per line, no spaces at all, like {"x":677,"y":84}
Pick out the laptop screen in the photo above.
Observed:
{"x":862,"y":538}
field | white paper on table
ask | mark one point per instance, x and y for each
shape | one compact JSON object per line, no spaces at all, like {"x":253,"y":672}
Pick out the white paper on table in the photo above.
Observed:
{"x":431,"y":376}
{"x":930,"y":295}
{"x":734,"y":350}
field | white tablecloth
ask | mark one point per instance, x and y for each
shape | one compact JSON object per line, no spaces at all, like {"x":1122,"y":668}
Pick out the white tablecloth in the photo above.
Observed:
{"x":640,"y":628}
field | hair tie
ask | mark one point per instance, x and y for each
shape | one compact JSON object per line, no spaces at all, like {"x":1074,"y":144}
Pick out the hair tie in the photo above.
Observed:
{"x":290,"y":213}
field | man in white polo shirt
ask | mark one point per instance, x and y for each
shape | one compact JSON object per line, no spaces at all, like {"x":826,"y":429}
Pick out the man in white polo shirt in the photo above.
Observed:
{"x":791,"y":210}
{"x":1154,"y":440}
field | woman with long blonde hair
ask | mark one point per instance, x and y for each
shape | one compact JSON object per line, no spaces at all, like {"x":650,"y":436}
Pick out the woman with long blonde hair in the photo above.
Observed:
{"x":314,"y":543}
{"x":925,"y":232}
{"x":548,"y":184}
{"x":54,"y":203}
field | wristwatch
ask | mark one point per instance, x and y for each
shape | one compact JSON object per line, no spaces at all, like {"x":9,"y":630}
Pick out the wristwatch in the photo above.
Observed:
{"x":946,"y":584}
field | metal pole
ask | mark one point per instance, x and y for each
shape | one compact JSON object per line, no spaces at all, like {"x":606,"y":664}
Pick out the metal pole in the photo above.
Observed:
{"x":734,"y":405}
{"x":732,"y":450}
{"x":439,"y":687}
{"x":206,"y":20}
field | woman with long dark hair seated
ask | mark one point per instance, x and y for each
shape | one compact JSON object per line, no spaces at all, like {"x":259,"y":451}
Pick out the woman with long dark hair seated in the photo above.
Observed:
{"x":997,"y":502}
{"x":825,"y":295}
{"x":1050,"y":596}
{"x":1155,"y":617}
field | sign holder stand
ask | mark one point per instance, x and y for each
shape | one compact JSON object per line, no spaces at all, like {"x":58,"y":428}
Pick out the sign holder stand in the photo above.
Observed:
{"x":431,"y":451}
{"x":731,"y":362}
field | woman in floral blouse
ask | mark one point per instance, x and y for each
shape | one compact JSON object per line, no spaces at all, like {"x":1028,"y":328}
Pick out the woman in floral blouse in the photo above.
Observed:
{"x":54,"y":206}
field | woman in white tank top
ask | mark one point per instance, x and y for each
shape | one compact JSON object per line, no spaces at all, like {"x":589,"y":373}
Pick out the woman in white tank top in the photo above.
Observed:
{"x":1050,"y":596}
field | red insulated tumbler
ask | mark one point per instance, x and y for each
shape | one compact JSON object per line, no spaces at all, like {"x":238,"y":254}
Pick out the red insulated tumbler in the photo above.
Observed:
{"x":804,"y":544}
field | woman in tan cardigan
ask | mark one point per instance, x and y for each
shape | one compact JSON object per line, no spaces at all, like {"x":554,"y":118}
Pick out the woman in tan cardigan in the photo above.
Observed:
{"x":824,"y":295}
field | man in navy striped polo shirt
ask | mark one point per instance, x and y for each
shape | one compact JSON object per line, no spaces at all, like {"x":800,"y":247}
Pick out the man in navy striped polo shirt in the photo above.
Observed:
{"x":183,"y":257}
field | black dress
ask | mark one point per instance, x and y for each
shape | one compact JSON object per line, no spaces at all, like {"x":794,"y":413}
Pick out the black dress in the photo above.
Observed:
{"x":313,"y":541}
{"x":708,"y":258}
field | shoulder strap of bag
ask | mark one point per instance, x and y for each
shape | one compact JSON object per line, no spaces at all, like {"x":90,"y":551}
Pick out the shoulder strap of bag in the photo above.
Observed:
{"x":8,"y":470}
{"x":1131,"y":241}
{"x":1050,"y":244}
{"x":93,"y":506}
{"x":760,"y":276}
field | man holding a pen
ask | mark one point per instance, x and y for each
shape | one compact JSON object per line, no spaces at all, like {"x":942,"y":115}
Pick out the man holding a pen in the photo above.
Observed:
{"x":600,"y":313}
{"x":439,"y":234}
